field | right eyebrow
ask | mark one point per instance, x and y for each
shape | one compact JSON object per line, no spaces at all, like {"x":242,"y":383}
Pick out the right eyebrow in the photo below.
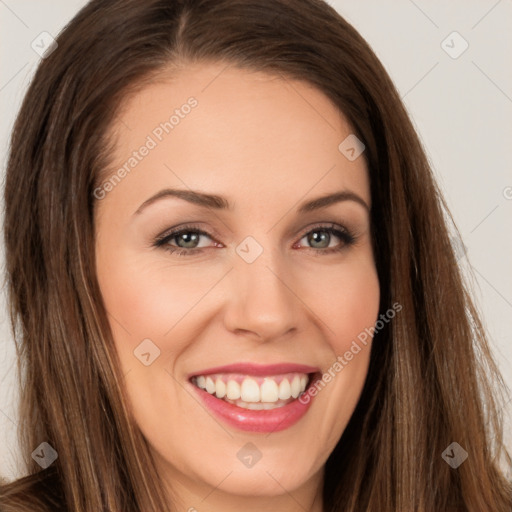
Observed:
{"x":192,"y":196}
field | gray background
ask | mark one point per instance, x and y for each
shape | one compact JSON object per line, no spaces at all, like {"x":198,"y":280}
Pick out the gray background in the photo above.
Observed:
{"x":461,"y":107}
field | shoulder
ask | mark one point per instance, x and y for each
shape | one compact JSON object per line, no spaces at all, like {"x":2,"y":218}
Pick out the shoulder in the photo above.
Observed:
{"x":40,"y":492}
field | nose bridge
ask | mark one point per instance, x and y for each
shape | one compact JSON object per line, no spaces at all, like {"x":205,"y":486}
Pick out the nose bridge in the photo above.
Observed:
{"x":263,"y":302}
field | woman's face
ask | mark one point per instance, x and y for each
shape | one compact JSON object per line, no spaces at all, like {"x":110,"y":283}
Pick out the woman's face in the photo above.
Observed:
{"x":273,"y":291}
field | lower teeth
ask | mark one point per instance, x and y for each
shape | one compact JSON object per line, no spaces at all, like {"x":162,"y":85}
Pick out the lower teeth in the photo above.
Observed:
{"x":258,"y":406}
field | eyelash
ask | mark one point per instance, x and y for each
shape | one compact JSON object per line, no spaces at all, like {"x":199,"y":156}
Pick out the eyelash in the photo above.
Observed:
{"x":342,"y":233}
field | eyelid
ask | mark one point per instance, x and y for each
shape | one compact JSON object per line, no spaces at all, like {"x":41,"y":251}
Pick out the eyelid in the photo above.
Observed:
{"x":180,"y":229}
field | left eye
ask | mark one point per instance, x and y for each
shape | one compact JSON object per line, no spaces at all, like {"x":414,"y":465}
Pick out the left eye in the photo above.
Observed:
{"x":187,"y":240}
{"x":321,"y":236}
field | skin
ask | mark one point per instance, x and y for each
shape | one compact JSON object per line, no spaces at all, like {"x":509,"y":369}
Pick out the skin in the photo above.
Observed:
{"x":267,"y":144}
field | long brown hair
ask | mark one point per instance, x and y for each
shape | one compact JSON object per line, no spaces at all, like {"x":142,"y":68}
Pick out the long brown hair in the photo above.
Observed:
{"x":431,"y":378}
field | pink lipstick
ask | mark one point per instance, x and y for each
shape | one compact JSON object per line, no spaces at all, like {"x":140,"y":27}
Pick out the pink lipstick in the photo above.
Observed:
{"x":256,"y":398}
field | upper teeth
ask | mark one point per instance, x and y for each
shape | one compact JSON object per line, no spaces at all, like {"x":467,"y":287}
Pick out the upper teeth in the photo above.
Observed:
{"x":254,"y":389}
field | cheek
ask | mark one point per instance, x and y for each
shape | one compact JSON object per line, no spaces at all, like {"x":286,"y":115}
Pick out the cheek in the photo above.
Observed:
{"x":346,"y":299}
{"x":148,"y":298}
{"x":358,"y":307}
{"x":348,"y":304}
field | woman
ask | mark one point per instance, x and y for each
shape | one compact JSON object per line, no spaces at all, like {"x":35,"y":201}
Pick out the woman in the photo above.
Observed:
{"x":185,"y":344}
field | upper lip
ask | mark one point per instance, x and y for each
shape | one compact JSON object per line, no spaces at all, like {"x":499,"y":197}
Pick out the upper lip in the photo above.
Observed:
{"x":258,"y":369}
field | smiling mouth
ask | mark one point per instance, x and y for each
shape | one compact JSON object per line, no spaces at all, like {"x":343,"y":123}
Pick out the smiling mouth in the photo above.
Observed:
{"x":255,"y":392}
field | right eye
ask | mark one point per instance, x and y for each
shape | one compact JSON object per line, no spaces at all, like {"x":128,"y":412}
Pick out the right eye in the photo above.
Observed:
{"x":187,"y":235}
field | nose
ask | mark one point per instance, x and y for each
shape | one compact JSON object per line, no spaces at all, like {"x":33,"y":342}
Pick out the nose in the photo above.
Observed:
{"x":262,"y":301}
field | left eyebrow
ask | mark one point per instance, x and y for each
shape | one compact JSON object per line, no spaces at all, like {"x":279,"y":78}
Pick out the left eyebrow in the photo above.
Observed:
{"x":327,"y":200}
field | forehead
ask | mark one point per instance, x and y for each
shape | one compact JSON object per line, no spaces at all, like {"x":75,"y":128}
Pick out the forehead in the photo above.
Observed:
{"x":233,"y":131}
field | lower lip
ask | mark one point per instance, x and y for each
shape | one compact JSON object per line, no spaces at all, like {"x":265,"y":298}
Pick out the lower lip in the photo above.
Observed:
{"x":266,"y":420}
